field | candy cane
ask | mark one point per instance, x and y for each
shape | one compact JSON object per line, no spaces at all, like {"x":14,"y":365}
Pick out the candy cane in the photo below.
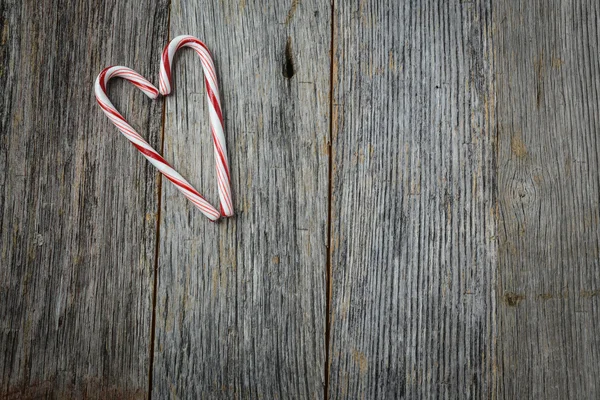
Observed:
{"x":139,"y":142}
{"x":214,"y":107}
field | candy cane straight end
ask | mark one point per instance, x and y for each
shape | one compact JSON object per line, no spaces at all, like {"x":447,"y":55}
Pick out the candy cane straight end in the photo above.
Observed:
{"x":226,"y":214}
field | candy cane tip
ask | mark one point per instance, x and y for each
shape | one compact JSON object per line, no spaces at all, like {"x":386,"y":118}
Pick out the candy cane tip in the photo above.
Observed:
{"x":226,"y":213}
{"x":164,"y":89}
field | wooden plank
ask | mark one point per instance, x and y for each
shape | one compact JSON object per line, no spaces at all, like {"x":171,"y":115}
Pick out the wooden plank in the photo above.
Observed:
{"x":77,"y":202}
{"x":241,"y":304}
{"x":413,"y":249}
{"x":548,"y":72}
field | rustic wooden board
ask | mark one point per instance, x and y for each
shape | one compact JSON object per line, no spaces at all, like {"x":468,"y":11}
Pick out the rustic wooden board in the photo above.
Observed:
{"x":548,"y":72}
{"x":413,"y":247}
{"x":77,"y":203}
{"x":241,"y":304}
{"x":461,"y":212}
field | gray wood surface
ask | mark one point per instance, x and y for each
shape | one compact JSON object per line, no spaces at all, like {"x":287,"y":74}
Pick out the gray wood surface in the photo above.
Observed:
{"x":77,"y":202}
{"x":548,"y":72}
{"x":413,"y":249}
{"x":241,"y":304}
{"x":416,"y":188}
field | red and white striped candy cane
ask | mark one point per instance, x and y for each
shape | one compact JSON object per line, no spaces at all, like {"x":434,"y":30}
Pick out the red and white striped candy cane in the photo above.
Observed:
{"x":139,"y":142}
{"x":214,"y":107}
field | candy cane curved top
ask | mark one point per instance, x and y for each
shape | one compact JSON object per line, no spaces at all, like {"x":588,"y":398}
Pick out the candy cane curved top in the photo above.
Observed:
{"x":214,"y":107}
{"x":139,"y":142}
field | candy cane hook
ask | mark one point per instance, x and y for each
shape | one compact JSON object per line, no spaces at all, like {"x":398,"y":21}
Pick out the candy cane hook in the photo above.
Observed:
{"x":214,"y":107}
{"x":139,"y":142}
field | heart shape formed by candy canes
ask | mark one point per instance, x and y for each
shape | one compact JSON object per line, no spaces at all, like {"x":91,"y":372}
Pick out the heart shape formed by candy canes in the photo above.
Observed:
{"x":215,"y":117}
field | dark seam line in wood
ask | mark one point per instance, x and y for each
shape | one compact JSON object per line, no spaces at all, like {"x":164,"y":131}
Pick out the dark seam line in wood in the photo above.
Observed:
{"x":495,"y":201}
{"x":328,"y":280}
{"x":157,"y":248}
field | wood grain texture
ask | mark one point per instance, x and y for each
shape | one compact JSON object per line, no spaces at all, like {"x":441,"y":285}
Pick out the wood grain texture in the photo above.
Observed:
{"x":548,"y":76}
{"x":413,"y":247}
{"x":241,"y":304}
{"x":465,"y":186}
{"x":77,"y":202}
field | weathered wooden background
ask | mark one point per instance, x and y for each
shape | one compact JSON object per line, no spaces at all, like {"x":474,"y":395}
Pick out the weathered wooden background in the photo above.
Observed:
{"x":417,"y":190}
